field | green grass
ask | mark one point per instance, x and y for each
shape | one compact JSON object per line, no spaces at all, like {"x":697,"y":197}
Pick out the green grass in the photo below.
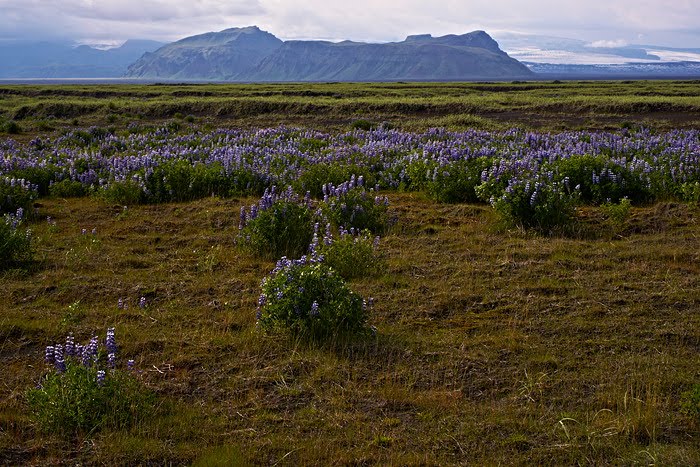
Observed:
{"x":492,"y":346}
{"x":413,"y":106}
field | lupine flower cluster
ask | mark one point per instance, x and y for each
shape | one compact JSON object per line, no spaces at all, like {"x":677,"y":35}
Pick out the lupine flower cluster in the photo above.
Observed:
{"x":351,"y":206}
{"x":307,"y":298}
{"x":15,"y":242}
{"x":162,"y":165}
{"x":85,"y":391}
{"x":88,"y":355}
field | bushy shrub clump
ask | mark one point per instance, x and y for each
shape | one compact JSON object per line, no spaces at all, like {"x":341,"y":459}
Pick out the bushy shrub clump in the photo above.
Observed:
{"x":351,"y":205}
{"x":280,"y":224}
{"x":600,"y":180}
{"x":15,"y":242}
{"x":351,"y":253}
{"x":16,"y":194}
{"x":690,"y":402}
{"x":307,"y":298}
{"x":456,"y":182}
{"x":544,"y":206}
{"x":85,"y":391}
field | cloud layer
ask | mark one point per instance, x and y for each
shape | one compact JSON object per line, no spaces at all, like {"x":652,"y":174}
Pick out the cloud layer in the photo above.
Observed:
{"x":630,"y":21}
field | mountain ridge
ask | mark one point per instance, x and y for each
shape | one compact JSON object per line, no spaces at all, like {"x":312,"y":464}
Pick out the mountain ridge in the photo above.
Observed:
{"x":250,"y":54}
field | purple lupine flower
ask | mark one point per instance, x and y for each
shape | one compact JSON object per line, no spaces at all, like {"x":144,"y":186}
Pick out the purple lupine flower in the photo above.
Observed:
{"x":49,"y":354}
{"x":70,"y":345}
{"x":314,"y":309}
{"x":112,"y":360}
{"x":83,"y":232}
{"x":130,"y":365}
{"x":121,"y":304}
{"x":110,"y":342}
{"x":59,"y":361}
{"x":142,"y":302}
{"x":100,"y":378}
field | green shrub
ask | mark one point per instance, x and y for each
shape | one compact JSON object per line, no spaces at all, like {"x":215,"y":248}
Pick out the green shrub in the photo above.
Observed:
{"x":83,"y":394}
{"x":690,"y":402}
{"x":690,"y":192}
{"x":456,"y":182}
{"x":68,"y":189}
{"x":11,"y":127}
{"x":308,"y":299}
{"x":617,"y":213}
{"x":279,"y":225}
{"x":362,"y":124}
{"x":16,"y":194}
{"x":350,"y":205}
{"x":544,"y":206}
{"x":40,"y":178}
{"x":126,"y":192}
{"x":599,"y":180}
{"x":314,"y":177}
{"x":351,"y":254}
{"x":15,"y":242}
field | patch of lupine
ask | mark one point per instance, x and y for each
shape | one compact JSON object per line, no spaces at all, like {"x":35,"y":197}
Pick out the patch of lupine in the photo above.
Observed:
{"x":307,"y":298}
{"x":85,"y":391}
{"x":15,"y":241}
{"x":162,"y":165}
{"x":352,"y":253}
{"x":351,"y":206}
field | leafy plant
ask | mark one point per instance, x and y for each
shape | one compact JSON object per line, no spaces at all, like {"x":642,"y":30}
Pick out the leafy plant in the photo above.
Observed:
{"x":351,"y":205}
{"x":15,"y":243}
{"x":307,"y":298}
{"x":86,"y":392}
{"x":455,"y":182}
{"x":690,"y":402}
{"x":351,"y":254}
{"x":280,"y":224}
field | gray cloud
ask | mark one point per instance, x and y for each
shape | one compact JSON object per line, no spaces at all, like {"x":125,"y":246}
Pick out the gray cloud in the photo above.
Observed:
{"x":674,"y":23}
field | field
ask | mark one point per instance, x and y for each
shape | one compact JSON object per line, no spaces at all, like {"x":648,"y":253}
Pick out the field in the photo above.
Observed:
{"x":536,"y":300}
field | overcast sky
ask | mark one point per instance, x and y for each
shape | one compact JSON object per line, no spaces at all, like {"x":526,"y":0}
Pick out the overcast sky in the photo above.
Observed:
{"x":675,"y":23}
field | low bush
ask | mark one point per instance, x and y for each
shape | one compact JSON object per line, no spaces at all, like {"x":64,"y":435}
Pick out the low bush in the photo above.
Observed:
{"x":16,"y":194}
{"x":456,"y":182}
{"x":280,"y":224}
{"x":86,"y":391}
{"x":351,"y":254}
{"x":350,"y":205}
{"x":68,"y":189}
{"x":547,"y":207}
{"x":690,"y":403}
{"x":308,"y":299}
{"x":15,"y":242}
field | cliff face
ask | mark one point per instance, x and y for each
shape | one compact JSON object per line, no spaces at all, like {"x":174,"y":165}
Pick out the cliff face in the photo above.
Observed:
{"x":249,"y":54}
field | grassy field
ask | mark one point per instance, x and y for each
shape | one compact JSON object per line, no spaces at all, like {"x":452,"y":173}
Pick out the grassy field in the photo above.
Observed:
{"x":493,"y":345}
{"x":413,"y":106}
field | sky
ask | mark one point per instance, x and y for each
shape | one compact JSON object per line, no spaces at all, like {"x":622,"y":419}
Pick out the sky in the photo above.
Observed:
{"x":602,"y":22}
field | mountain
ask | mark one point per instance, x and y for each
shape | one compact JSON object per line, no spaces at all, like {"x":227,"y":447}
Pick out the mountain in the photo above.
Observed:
{"x":225,"y":55}
{"x":249,"y":54}
{"x":62,"y":60}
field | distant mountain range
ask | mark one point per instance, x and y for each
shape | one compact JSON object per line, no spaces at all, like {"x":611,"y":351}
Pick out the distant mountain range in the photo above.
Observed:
{"x":252,"y":55}
{"x":57,"y":60}
{"x":548,"y":56}
{"x":249,"y":54}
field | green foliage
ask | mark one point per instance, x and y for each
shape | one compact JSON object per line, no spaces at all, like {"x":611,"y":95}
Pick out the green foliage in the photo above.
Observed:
{"x":126,"y":193}
{"x":68,"y":189}
{"x":690,"y":402}
{"x":315,"y":176}
{"x":362,"y":124}
{"x":40,"y":177}
{"x":350,"y":255}
{"x":15,"y":197}
{"x":283,"y":229}
{"x":545,"y":207}
{"x":74,"y":402}
{"x":617,"y":213}
{"x":309,"y":299}
{"x":613,"y":181}
{"x":690,"y":192}
{"x":357,"y":208}
{"x":455,"y":182}
{"x":11,"y":127}
{"x":15,"y":243}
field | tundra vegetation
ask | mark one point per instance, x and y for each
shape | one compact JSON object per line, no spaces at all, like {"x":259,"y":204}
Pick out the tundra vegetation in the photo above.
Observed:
{"x":345,"y":273}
